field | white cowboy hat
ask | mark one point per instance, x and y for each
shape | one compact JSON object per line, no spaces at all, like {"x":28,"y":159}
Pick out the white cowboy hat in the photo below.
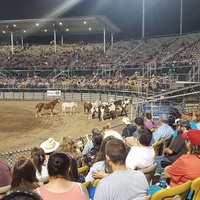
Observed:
{"x":49,"y":145}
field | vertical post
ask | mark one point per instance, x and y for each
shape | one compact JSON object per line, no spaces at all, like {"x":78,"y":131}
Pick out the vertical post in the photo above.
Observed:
{"x":111,"y":38}
{"x":104,"y":40}
{"x":11,"y":38}
{"x":54,"y":33}
{"x":181,"y":18}
{"x":22,"y":42}
{"x":143,"y":19}
{"x":62,"y":39}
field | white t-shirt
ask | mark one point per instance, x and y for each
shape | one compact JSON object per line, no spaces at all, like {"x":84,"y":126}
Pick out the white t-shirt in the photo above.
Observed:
{"x":140,"y":157}
{"x":112,"y":133}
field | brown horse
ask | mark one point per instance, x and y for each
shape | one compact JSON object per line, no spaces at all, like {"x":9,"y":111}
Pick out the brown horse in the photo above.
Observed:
{"x":49,"y":105}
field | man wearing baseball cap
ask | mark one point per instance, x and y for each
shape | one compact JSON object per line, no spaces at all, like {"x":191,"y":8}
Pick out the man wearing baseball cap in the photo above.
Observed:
{"x":176,"y":148}
{"x":187,"y":114}
{"x":187,"y":166}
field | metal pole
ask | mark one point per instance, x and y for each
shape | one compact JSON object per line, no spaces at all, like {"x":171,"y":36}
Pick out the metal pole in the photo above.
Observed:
{"x":143,"y":19}
{"x":62,"y":39}
{"x":11,"y":38}
{"x":104,"y":40}
{"x":22,"y":42}
{"x":54,"y":33}
{"x":111,"y":38}
{"x":181,"y":18}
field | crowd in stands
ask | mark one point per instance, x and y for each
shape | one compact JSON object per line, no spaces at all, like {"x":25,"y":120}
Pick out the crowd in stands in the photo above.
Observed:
{"x":116,"y":159}
{"x":175,"y":49}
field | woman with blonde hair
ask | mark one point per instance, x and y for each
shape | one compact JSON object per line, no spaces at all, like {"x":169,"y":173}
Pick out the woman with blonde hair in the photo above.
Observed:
{"x":196,"y":118}
{"x":68,"y":145}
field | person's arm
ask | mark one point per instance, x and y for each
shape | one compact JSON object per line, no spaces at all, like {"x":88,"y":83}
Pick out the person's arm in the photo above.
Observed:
{"x":167,"y":175}
{"x":99,"y":174}
{"x":131,"y":141}
{"x":167,"y":151}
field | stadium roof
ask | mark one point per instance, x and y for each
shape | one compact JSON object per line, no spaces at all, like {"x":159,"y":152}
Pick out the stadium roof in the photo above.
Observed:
{"x":63,"y":26}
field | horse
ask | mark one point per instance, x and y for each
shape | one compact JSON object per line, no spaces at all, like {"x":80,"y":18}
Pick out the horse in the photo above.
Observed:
{"x":70,"y":105}
{"x":49,"y":105}
{"x":88,"y":105}
{"x":106,"y":110}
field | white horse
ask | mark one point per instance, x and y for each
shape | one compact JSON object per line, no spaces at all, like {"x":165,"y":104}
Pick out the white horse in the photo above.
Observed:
{"x":70,"y":105}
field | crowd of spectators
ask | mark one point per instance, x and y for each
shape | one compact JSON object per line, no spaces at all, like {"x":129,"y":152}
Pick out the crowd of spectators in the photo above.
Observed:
{"x":115,"y":158}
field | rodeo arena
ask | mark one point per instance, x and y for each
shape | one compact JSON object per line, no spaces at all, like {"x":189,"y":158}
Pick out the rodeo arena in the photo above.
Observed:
{"x":71,"y":96}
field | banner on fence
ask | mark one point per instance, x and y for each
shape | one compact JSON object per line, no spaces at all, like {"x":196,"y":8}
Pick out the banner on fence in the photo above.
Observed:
{"x":157,"y":109}
{"x":56,"y":93}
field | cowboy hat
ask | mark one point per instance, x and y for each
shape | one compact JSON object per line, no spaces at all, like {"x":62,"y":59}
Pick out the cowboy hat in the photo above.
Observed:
{"x":49,"y":145}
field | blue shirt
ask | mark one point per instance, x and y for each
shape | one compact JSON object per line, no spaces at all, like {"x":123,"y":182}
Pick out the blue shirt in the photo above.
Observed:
{"x":162,"y":132}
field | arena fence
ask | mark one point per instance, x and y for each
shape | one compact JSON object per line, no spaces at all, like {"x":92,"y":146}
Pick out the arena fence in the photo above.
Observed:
{"x":12,"y":156}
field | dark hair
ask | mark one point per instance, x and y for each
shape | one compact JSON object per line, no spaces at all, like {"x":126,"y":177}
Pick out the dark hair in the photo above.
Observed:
{"x":171,"y":121}
{"x":148,"y":115}
{"x":97,"y":140}
{"x":58,"y":164}
{"x":24,"y":174}
{"x":116,"y":150}
{"x":139,"y":121}
{"x":175,"y":112}
{"x":22,"y":194}
{"x":38,"y":156}
{"x":73,"y":173}
{"x":144,"y":136}
{"x":194,"y":149}
{"x":101,"y":154}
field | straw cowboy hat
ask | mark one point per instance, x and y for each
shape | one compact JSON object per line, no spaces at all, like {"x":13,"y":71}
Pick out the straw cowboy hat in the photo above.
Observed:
{"x":49,"y":145}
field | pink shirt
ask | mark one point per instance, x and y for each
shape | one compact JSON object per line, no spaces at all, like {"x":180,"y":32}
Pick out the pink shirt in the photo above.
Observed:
{"x":74,"y":194}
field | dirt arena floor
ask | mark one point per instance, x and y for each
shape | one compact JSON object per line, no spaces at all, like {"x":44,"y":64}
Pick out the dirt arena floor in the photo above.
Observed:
{"x":20,"y":129}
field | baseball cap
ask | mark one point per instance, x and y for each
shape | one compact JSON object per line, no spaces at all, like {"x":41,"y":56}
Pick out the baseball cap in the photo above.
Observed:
{"x":193,"y":136}
{"x":126,"y":120}
{"x":183,"y":122}
{"x":187,"y":112}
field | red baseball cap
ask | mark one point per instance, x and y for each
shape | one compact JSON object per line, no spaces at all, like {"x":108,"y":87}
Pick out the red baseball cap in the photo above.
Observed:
{"x":193,"y":136}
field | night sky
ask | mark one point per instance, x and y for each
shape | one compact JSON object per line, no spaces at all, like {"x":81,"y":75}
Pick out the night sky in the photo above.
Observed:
{"x":162,"y":16}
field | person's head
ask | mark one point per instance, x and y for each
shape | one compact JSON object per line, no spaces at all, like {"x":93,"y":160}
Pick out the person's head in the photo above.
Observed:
{"x":58,"y":165}
{"x":95,"y":130}
{"x":22,"y":194}
{"x":187,"y":114}
{"x":115,"y":152}
{"x":97,"y":140}
{"x":49,"y":145}
{"x":101,"y":154}
{"x":171,"y":121}
{"x":144,"y":136}
{"x":139,"y":121}
{"x":38,"y":157}
{"x":183,"y":125}
{"x":148,"y":115}
{"x":196,"y":116}
{"x":24,"y":174}
{"x":175,"y":112}
{"x":192,"y":138}
{"x":67,"y":144}
{"x":163,"y":119}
